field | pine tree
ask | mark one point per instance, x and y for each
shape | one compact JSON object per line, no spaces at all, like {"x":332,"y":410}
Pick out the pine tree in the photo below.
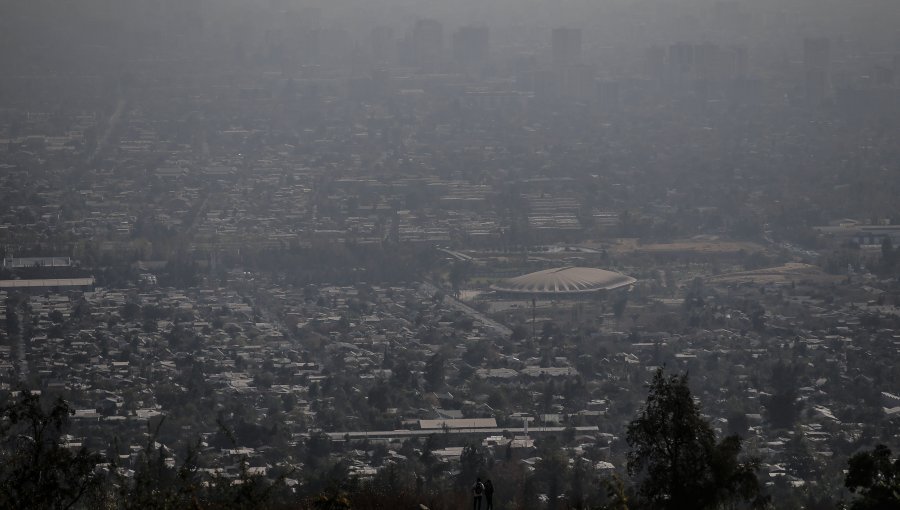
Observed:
{"x":36,"y":469}
{"x":675,"y":456}
{"x":876,"y":478}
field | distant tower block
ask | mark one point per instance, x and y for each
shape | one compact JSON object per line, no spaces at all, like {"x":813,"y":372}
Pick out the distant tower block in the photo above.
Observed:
{"x":427,"y":42}
{"x":471,"y":45}
{"x":817,"y":53}
{"x":566,"y":46}
{"x":382,"y":43}
{"x":817,"y":67}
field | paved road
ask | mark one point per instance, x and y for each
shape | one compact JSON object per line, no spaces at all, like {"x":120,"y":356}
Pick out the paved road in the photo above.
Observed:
{"x":360,"y":434}
{"x":429,"y":289}
{"x":111,"y":125}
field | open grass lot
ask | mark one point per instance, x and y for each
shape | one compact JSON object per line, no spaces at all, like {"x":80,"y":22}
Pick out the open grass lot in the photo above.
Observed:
{"x":791,"y":272}
{"x":704,"y":247}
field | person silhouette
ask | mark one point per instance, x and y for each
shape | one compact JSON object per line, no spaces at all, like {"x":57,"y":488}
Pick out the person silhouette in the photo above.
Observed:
{"x":477,"y":491}
{"x":488,"y":495}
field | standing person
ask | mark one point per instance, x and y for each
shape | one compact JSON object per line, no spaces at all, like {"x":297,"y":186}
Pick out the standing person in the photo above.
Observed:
{"x":488,"y":495}
{"x":477,"y":491}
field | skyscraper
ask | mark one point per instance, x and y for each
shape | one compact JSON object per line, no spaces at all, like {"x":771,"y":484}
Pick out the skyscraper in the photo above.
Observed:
{"x":427,"y":43}
{"x":816,"y":67}
{"x":817,"y":53}
{"x":566,"y":46}
{"x":382,"y":43}
{"x":471,"y":45}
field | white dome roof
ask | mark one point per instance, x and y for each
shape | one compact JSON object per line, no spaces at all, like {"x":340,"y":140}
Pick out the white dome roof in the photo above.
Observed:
{"x":565,"y":280}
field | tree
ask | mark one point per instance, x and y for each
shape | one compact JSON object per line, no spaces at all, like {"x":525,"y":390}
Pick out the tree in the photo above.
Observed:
{"x":876,"y":478}
{"x":783,"y":406}
{"x":380,"y":396}
{"x":616,"y":497}
{"x":738,"y":424}
{"x":36,"y":470}
{"x":12,"y":318}
{"x":472,"y":461}
{"x":799,"y":460}
{"x":552,"y":473}
{"x":402,"y":376}
{"x":459,"y":273}
{"x":676,"y":458}
{"x":56,"y":317}
{"x":888,"y":255}
{"x":156,"y":485}
{"x":619,"y":305}
{"x":580,"y":484}
{"x":434,"y":372}
{"x":694,"y":296}
{"x":332,"y":501}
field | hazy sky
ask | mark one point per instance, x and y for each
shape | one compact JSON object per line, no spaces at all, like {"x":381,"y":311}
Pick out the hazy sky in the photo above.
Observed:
{"x":50,"y":33}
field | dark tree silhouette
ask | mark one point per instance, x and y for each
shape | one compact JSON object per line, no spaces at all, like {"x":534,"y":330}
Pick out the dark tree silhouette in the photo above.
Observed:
{"x":36,"y":469}
{"x":434,"y":372}
{"x":876,"y":478}
{"x":472,"y":462}
{"x":675,"y":456}
{"x":783,"y":406}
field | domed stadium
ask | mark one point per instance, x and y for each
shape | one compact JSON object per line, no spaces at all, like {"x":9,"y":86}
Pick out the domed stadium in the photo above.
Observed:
{"x":564,"y":281}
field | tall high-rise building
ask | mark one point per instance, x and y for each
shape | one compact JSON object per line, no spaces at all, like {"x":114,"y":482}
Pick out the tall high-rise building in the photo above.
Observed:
{"x":681,"y":58}
{"x":655,"y":62}
{"x":817,"y":53}
{"x":737,"y":61}
{"x":566,"y":45}
{"x":335,"y":45}
{"x":816,"y":67}
{"x":382,"y":43}
{"x":471,"y":45}
{"x":578,"y":82}
{"x":427,"y":43}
